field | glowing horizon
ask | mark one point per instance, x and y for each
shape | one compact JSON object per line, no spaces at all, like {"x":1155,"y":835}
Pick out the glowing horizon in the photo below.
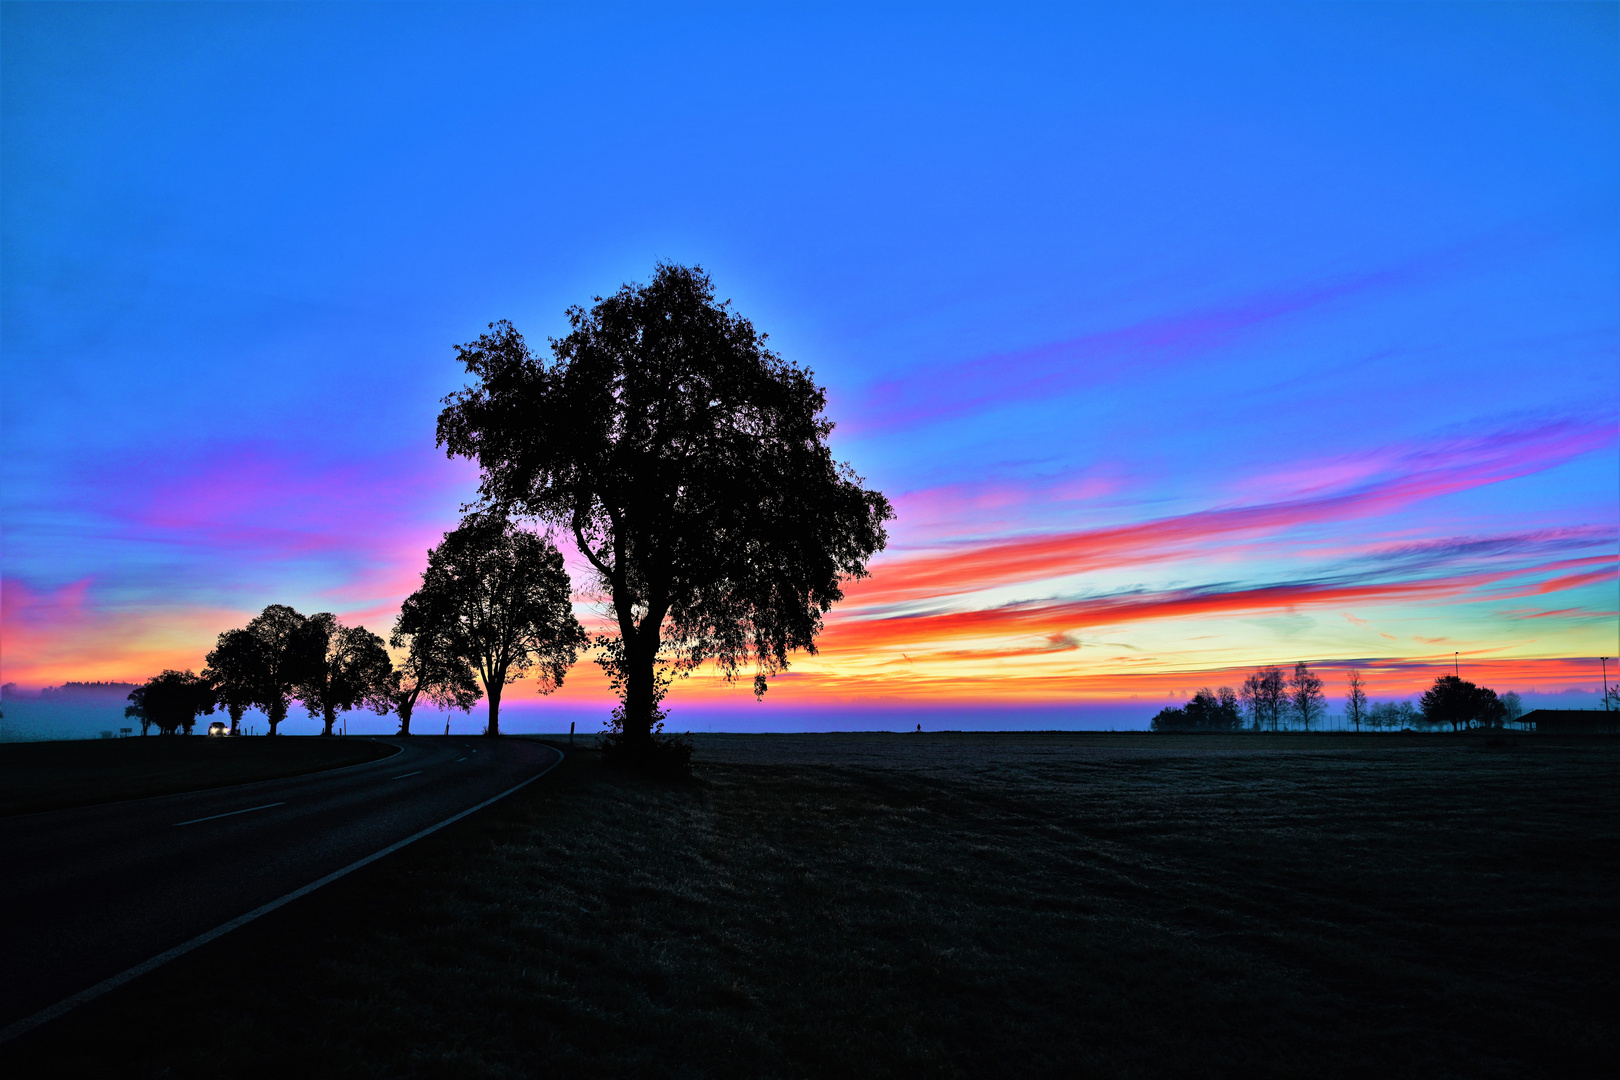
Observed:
{"x":1182,"y":346}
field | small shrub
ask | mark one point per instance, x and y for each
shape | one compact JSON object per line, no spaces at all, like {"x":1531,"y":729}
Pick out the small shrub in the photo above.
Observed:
{"x":659,"y":755}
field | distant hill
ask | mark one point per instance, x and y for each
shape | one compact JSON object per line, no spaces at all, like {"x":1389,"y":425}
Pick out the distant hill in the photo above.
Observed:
{"x":87,"y":692}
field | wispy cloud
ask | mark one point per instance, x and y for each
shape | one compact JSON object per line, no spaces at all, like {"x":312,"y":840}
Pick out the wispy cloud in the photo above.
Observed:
{"x":1410,"y":477}
{"x":1090,"y":359}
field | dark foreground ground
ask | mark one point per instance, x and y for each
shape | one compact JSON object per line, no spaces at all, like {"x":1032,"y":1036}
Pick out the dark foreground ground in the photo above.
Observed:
{"x":938,"y":905}
{"x":51,"y":775}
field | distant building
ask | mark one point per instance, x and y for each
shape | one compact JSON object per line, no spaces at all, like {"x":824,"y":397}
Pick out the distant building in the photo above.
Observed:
{"x":1571,"y":721}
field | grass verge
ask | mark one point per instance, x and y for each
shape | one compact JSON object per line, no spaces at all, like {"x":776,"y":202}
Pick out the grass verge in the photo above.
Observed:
{"x":945,"y":906}
{"x":38,"y":776}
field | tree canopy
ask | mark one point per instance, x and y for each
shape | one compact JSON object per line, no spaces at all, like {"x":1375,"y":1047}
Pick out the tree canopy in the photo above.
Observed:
{"x":171,"y":701}
{"x":264,"y":666}
{"x":689,"y":463}
{"x":431,"y":671}
{"x":1458,"y":702}
{"x":237,"y":669}
{"x":349,"y":667}
{"x":1305,"y":698}
{"x":500,"y":601}
{"x":1264,"y":695}
{"x":1207,"y":710}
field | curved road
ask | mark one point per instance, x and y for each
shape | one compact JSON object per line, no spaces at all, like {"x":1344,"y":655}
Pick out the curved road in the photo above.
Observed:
{"x":92,"y":892}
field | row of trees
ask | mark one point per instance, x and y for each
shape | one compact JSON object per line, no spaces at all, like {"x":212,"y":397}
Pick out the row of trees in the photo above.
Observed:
{"x":688,"y":463}
{"x":494,"y":604}
{"x":1272,"y":700}
{"x":1269,"y":698}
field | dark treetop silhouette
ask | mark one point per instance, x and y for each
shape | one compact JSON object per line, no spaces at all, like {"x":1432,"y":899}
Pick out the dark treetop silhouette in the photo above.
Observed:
{"x":431,"y":670}
{"x":690,"y":464}
{"x":265,"y":663}
{"x":351,"y":668}
{"x":171,"y":701}
{"x":498,"y":598}
{"x":236,"y":669}
{"x":1461,"y":704}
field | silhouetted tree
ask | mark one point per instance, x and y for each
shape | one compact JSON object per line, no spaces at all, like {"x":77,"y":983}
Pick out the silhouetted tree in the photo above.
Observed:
{"x":1488,"y":708}
{"x":1355,"y":702}
{"x":1512,"y":707}
{"x":1263,"y":695}
{"x":501,"y":598}
{"x":1206,"y":710}
{"x":237,"y":669}
{"x":353,"y":670}
{"x":1393,"y":715}
{"x":171,"y":701}
{"x":431,"y":671}
{"x":137,"y":709}
{"x":691,"y":466}
{"x":1169,"y":718}
{"x":283,"y":653}
{"x":1214,"y":710}
{"x":1305,"y":698}
{"x":1461,"y":704}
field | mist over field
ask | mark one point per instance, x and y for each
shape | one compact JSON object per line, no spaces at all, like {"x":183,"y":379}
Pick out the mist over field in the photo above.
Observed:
{"x":29,"y":719}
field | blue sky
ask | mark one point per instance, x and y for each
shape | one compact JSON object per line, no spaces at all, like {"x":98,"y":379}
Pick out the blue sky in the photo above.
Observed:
{"x":1350,"y":269}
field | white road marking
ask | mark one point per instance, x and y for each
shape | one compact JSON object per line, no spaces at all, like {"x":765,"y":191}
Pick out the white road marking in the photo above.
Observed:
{"x":402,"y":776}
{"x":233,"y":813}
{"x":29,"y":1023}
{"x":460,"y":759}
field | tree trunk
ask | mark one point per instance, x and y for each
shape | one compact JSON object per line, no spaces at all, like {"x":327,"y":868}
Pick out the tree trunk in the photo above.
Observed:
{"x":328,"y":714}
{"x":405,"y":717}
{"x":236,"y":719}
{"x":276,"y":714}
{"x":639,"y":687}
{"x":493,"y":690}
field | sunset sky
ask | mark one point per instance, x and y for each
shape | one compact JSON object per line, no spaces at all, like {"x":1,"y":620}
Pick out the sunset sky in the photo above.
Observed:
{"x":1183,"y":338}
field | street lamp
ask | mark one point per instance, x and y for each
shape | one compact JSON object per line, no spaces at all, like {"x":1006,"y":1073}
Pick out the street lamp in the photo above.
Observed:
{"x":1605,"y":661}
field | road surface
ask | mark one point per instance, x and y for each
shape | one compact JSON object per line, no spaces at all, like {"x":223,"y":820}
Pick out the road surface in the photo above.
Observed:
{"x":89,"y":893}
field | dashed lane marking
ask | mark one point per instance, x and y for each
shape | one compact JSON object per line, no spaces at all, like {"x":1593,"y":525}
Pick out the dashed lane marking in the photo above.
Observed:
{"x":233,"y":813}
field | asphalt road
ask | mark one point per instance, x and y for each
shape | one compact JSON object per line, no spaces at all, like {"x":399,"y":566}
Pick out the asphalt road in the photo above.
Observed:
{"x":88,"y":893}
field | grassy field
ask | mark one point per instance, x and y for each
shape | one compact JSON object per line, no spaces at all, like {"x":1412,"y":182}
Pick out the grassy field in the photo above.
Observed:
{"x":943,"y":905}
{"x":52,"y":775}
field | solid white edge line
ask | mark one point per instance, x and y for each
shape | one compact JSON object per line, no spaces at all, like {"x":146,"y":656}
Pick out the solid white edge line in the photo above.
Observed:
{"x":402,"y":776}
{"x":231,"y":813}
{"x":29,"y":1023}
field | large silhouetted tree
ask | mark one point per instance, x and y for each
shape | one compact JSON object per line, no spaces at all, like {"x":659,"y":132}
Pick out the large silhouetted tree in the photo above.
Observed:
{"x":1305,"y":698}
{"x":1264,"y":695}
{"x":500,"y":597}
{"x":237,"y":669}
{"x":1355,"y":701}
{"x":282,"y":653}
{"x":1461,"y":704}
{"x":171,"y":701}
{"x":691,"y":466}
{"x":431,"y":670}
{"x":350,"y":669}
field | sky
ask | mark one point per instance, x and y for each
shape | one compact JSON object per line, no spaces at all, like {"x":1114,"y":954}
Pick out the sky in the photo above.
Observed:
{"x":1184,"y":339}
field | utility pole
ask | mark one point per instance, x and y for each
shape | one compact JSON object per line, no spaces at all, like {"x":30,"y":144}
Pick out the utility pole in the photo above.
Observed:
{"x":1605,"y":661}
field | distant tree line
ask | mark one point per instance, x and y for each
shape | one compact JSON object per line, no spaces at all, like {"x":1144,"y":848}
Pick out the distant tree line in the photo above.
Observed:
{"x":1272,"y":700}
{"x":494,"y":603}
{"x":690,"y":466}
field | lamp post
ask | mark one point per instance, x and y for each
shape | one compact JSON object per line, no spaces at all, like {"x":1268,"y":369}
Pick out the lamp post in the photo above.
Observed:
{"x":1605,"y":662}
{"x":1456,"y":666}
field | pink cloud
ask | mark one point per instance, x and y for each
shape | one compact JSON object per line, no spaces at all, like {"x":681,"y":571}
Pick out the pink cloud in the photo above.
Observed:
{"x":1425,"y":473}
